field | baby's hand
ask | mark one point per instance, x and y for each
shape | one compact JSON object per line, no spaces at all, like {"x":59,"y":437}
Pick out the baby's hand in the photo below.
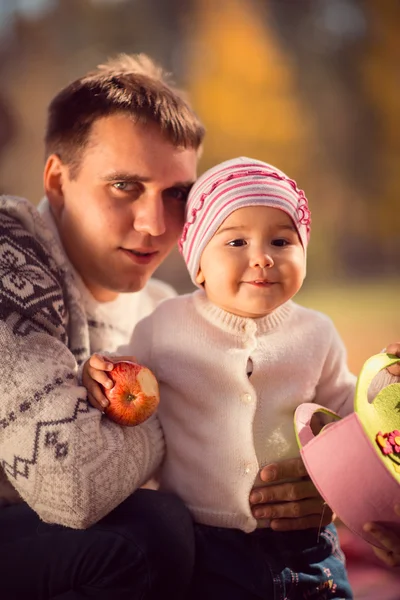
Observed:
{"x":394,"y":349}
{"x":95,"y":373}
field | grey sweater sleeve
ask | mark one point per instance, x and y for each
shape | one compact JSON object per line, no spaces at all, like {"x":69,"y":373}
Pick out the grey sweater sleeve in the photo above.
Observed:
{"x":68,"y":462}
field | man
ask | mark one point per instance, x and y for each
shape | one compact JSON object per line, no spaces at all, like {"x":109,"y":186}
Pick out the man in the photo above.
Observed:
{"x":122,"y":147}
{"x":121,"y":151}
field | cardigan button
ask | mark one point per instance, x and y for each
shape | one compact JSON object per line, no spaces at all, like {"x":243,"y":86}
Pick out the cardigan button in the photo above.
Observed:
{"x":247,"y":398}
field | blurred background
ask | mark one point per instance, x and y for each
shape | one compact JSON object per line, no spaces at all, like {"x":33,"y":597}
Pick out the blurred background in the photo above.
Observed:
{"x":312,"y":86}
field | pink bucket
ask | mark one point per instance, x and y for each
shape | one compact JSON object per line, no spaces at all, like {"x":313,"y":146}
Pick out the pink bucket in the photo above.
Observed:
{"x":346,"y":460}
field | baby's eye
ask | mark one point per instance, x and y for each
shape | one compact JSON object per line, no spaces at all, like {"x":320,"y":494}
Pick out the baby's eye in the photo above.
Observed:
{"x":279,"y":242}
{"x":237,"y":243}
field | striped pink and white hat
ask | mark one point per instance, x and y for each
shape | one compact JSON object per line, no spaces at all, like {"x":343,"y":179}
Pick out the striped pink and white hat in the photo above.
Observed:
{"x":229,"y":186}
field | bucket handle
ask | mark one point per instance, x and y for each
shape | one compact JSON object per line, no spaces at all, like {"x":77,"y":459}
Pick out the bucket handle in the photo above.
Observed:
{"x":371,"y":368}
{"x":304,"y":412}
{"x":302,"y":421}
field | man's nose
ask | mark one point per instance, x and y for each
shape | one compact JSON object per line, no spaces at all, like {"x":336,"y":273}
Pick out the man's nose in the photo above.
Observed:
{"x":149,"y":217}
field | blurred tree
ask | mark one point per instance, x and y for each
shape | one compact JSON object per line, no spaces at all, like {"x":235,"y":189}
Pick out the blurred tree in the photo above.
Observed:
{"x":296,"y":83}
{"x":244,"y":86}
{"x":347,"y":57}
{"x":72,"y":36}
{"x":381,"y":80}
{"x":7,"y":129}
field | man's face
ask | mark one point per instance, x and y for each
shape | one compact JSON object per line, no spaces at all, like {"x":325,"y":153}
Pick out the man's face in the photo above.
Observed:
{"x":123,"y":213}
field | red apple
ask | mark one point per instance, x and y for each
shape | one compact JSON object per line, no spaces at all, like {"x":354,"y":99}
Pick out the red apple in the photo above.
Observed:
{"x":134,"y":396}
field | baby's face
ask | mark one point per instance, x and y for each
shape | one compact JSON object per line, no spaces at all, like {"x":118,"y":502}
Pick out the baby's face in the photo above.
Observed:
{"x":254,"y":263}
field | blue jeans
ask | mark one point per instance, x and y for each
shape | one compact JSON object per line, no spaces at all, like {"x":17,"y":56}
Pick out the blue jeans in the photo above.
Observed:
{"x":269,"y":565}
{"x":142,"y":550}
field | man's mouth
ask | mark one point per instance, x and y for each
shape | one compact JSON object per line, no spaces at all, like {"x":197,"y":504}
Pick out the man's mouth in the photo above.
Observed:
{"x":142,"y":252}
{"x":142,"y":256}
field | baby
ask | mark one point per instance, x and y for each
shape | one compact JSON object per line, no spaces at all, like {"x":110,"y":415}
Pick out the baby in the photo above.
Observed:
{"x":234,"y":359}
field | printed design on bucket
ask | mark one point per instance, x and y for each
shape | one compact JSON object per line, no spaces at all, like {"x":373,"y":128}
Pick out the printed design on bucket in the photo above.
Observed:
{"x":389,"y":443}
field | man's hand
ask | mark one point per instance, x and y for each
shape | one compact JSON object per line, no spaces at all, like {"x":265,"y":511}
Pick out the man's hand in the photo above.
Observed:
{"x":394,"y":349}
{"x":391,"y":541}
{"x":289,"y":506}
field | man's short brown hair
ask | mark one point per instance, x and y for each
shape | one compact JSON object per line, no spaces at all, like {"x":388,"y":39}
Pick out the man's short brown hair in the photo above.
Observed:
{"x":129,"y":84}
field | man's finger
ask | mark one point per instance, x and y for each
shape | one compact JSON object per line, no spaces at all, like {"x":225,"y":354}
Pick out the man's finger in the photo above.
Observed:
{"x":290,"y":510}
{"x":285,"y":492}
{"x":394,"y":370}
{"x":390,"y":559}
{"x":388,"y":539}
{"x":312,"y":521}
{"x":287,"y":469}
{"x":394,"y":349}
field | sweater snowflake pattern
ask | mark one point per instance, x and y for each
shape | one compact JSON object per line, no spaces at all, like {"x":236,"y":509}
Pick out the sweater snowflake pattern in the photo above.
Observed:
{"x":67,"y":461}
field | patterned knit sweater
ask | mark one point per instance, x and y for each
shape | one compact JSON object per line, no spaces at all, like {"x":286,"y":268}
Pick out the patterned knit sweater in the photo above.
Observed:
{"x":221,"y":425}
{"x":58,"y":454}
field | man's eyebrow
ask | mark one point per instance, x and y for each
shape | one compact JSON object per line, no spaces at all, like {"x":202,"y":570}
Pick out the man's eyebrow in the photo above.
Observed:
{"x":124,"y":176}
{"x":183,"y":184}
{"x":133,"y":178}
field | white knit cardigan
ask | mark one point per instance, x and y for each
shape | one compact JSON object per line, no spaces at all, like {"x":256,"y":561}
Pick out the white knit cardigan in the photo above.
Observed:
{"x":220,"y":425}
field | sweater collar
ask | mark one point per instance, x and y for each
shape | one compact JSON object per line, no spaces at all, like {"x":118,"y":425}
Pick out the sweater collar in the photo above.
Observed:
{"x":240,"y":325}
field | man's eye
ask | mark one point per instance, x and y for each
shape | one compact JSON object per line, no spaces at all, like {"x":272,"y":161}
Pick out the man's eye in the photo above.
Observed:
{"x":124,"y":186}
{"x":280,"y":242}
{"x":177,"y":194}
{"x":237,"y":243}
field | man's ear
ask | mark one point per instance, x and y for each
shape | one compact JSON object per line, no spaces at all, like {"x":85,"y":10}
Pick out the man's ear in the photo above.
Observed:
{"x":53,"y":176}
